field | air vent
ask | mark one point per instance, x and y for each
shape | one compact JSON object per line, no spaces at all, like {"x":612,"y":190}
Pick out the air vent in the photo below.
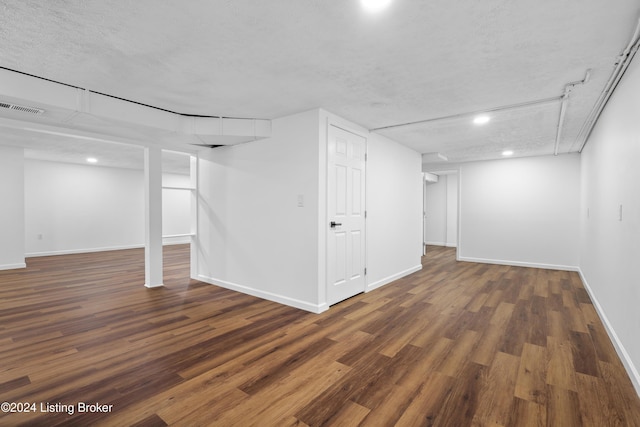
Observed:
{"x":22,"y":108}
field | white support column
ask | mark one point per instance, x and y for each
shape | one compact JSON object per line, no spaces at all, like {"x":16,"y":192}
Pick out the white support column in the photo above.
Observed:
{"x":153,"y":217}
{"x":193,"y":167}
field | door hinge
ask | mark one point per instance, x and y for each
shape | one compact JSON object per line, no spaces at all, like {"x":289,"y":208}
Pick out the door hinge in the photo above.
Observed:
{"x":365,"y":214}
{"x":365,"y":271}
{"x":365,"y":157}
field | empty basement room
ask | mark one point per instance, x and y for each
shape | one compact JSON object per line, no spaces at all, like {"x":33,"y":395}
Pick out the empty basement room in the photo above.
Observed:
{"x":376,"y":213}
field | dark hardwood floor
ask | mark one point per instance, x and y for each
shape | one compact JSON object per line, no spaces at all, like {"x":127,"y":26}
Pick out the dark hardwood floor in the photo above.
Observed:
{"x":455,"y":344}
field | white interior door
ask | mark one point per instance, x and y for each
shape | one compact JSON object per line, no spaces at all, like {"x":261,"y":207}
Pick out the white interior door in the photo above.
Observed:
{"x":346,"y":215}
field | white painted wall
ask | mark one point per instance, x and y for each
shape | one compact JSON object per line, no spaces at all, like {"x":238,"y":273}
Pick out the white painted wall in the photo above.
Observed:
{"x":521,"y":211}
{"x":610,"y":248}
{"x":394,"y":211}
{"x":78,"y":208}
{"x":253,"y":237}
{"x":11,"y":208}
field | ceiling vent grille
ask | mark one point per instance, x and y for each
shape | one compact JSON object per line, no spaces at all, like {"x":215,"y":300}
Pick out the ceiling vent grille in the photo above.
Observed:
{"x":22,"y":108}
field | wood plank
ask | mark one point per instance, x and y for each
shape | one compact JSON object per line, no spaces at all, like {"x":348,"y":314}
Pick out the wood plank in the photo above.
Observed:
{"x":525,"y":413}
{"x":427,"y":402}
{"x":563,"y":407}
{"x":461,"y":404}
{"x":459,"y":354}
{"x":622,"y":403}
{"x":351,"y":414}
{"x":584,"y":354}
{"x":496,"y":395}
{"x":602,"y":414}
{"x":560,"y":369}
{"x":557,"y":326}
{"x":530,"y":384}
{"x":388,"y":411}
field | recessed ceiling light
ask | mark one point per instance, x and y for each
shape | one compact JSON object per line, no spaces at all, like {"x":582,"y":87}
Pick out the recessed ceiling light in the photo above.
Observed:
{"x":374,"y":5}
{"x":507,"y":153}
{"x":482,"y":119}
{"x":92,"y":160}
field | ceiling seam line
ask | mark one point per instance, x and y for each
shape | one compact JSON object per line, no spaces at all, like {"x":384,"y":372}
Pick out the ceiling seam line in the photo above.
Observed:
{"x":472,"y":113}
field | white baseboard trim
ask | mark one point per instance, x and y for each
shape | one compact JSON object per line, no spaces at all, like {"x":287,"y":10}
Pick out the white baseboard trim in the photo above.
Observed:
{"x":281,"y":299}
{"x":160,"y":285}
{"x":631,"y":369}
{"x":81,"y":251}
{"x":13,"y":266}
{"x":519,"y":263}
{"x":176,"y":240}
{"x":89,"y":250}
{"x":389,"y":279}
{"x":448,"y":245}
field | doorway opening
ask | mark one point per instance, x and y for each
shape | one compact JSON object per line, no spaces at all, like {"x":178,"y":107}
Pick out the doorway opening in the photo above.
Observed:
{"x":440,"y":209}
{"x":179,"y":202}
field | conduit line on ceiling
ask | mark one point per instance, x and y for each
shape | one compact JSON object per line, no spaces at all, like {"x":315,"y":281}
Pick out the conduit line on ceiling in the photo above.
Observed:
{"x":568,"y":88}
{"x":620,"y":67}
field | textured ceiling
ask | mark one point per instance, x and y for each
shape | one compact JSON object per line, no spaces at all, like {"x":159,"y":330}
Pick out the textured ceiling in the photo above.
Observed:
{"x":418,"y":60}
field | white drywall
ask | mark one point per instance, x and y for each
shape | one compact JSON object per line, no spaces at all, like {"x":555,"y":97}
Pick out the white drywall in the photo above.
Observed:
{"x":252,"y":235}
{"x":73,"y":208}
{"x":12,"y":208}
{"x":394,"y":211}
{"x":521,"y":211}
{"x":610,"y":247}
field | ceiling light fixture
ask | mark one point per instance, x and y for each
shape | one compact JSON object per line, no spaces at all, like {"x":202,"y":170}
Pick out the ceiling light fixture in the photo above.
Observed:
{"x":507,"y":153}
{"x":92,"y":160}
{"x":481,"y":120}
{"x":375,"y":5}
